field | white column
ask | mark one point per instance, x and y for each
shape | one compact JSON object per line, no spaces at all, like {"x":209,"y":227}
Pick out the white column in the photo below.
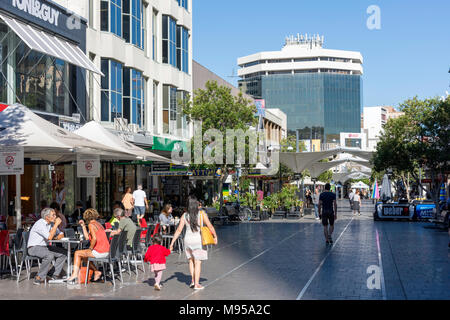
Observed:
{"x":18,"y":203}
{"x":11,"y":70}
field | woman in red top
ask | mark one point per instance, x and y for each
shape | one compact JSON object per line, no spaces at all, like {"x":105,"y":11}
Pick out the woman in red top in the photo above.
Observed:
{"x":156,"y":255}
{"x":99,"y":244}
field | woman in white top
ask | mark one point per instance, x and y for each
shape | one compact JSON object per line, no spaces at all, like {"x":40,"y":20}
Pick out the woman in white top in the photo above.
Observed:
{"x":357,"y":203}
{"x":193,"y":219}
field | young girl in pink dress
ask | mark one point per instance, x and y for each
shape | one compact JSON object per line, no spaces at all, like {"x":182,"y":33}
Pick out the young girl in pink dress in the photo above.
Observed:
{"x":156,"y":255}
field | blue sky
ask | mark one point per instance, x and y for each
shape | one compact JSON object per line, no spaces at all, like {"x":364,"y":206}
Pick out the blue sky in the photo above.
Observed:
{"x":408,"y":56}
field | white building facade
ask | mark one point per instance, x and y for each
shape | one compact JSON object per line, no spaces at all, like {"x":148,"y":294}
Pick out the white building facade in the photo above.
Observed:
{"x":374,"y":120}
{"x":144,"y":48}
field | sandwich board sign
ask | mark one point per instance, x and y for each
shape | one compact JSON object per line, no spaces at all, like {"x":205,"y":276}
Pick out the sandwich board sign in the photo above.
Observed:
{"x":11,"y":160}
{"x":88,"y":166}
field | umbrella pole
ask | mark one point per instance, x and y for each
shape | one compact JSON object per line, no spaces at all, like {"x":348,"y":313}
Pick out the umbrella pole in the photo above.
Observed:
{"x":18,"y":203}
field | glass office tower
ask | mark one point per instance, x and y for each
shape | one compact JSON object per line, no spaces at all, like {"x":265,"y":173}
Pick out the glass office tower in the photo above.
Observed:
{"x":320,"y":90}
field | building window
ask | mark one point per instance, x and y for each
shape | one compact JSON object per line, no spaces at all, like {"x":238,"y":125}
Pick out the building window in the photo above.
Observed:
{"x":169,"y":32}
{"x":132,"y":22}
{"x":169,"y":109}
{"x":155,"y":35}
{"x":133,"y":97}
{"x":155,"y":107}
{"x":111,"y":16}
{"x":182,"y":49}
{"x":111,"y":101}
{"x":183,"y":3}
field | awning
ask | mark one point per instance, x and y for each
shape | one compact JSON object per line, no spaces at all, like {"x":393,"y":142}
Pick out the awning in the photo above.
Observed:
{"x":51,"y":45}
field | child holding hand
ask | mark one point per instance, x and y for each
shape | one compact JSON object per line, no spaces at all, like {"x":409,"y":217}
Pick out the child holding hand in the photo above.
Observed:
{"x":156,"y":255}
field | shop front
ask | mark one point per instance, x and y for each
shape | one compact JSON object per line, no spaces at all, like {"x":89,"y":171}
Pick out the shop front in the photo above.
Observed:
{"x":43,"y":67}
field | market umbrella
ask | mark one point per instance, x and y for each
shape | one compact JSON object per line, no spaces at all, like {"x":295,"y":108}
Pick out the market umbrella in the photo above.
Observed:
{"x":375,"y":192}
{"x":41,"y":139}
{"x":95,"y":131}
{"x":386,"y":188}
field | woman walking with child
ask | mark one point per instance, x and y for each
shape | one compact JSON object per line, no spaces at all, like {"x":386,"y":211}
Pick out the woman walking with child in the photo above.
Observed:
{"x":193,"y":219}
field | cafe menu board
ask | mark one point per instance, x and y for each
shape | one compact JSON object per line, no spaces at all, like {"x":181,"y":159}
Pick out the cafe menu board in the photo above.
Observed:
{"x":11,"y":160}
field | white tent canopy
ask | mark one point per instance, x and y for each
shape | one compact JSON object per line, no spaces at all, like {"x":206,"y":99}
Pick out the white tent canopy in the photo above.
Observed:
{"x":305,"y":160}
{"x":94,"y":130}
{"x":360,"y":185}
{"x":43,"y":140}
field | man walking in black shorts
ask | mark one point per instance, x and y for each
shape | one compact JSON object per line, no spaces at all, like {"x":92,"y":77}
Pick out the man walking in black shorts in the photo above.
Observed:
{"x":328,"y":212}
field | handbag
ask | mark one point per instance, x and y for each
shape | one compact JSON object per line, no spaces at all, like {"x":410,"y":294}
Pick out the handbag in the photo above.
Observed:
{"x":207,"y":237}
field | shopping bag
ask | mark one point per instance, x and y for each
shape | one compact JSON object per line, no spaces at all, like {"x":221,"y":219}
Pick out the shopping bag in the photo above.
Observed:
{"x":82,"y":276}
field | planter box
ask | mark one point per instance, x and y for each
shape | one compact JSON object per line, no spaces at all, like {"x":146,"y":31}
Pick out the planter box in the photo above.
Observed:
{"x":280,"y":214}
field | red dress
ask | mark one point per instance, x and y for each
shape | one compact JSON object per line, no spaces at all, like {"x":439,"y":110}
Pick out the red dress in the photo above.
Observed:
{"x":156,"y":255}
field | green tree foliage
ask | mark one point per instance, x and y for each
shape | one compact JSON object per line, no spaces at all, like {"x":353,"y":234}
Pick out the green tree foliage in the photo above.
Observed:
{"x":218,"y":109}
{"x":420,"y":138}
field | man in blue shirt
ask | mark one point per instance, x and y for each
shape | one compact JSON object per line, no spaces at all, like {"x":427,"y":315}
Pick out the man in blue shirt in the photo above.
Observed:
{"x":328,"y":212}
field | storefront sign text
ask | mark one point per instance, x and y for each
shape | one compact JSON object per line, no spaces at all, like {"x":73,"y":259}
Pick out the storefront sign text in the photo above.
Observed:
{"x":39,"y":10}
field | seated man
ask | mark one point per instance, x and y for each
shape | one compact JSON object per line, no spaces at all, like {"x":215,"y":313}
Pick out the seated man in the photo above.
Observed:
{"x":43,"y":231}
{"x":125,"y":224}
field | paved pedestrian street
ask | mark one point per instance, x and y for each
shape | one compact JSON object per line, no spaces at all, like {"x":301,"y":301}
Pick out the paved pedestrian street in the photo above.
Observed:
{"x":288,"y":260}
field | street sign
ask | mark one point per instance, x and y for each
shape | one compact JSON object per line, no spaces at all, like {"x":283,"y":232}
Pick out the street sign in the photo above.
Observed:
{"x":88,"y":166}
{"x":11,"y":160}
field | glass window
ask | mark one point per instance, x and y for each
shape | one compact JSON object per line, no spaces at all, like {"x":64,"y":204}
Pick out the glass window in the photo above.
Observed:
{"x":154,"y":36}
{"x":165,"y":110}
{"x":104,"y":14}
{"x":134,"y":97}
{"x":169,"y":40}
{"x":155,"y":107}
{"x":111,"y":90}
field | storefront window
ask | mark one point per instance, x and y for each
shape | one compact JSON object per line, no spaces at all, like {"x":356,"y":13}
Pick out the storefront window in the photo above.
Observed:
{"x":39,"y":81}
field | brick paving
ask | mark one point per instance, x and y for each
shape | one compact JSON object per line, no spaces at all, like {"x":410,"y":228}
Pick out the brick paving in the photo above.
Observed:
{"x":288,"y":260}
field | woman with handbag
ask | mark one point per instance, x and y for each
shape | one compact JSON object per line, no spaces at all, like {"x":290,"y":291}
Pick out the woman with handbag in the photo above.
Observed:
{"x":193,"y":219}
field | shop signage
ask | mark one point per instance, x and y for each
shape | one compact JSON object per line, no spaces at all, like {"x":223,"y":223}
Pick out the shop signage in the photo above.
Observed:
{"x":39,"y":10}
{"x":260,"y":107}
{"x":88,"y":166}
{"x":11,"y":160}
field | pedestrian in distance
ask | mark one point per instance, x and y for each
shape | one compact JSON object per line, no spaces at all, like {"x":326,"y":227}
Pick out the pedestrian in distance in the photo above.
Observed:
{"x":140,"y":203}
{"x":193,"y":219}
{"x":328,"y":212}
{"x":156,"y":255}
{"x":315,"y":198}
{"x":350,"y":198}
{"x":357,"y":203}
{"x":128,"y":202}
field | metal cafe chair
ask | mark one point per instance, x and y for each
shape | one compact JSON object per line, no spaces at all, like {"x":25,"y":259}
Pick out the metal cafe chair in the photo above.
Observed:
{"x":136,"y":251}
{"x":27,"y":258}
{"x":113,"y":257}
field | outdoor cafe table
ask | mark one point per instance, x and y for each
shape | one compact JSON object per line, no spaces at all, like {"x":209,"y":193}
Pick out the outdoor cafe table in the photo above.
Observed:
{"x":69,"y":264}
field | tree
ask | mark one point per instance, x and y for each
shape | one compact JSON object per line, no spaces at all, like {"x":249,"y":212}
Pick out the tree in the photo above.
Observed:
{"x":216,"y":108}
{"x":419,"y":139}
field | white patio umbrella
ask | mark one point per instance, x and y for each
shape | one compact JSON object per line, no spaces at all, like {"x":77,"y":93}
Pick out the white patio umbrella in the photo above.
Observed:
{"x":43,"y":140}
{"x":95,"y":131}
{"x":360,"y":185}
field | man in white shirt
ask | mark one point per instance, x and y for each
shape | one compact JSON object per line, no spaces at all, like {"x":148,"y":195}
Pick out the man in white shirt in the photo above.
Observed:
{"x":140,"y":203}
{"x":350,"y":198}
{"x":43,"y":231}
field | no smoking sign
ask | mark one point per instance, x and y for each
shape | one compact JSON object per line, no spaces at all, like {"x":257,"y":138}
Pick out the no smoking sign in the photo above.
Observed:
{"x":88,"y":165}
{"x":9,"y":161}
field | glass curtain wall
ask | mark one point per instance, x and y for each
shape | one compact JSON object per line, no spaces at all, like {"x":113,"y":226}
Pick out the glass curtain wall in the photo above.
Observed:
{"x":39,"y":81}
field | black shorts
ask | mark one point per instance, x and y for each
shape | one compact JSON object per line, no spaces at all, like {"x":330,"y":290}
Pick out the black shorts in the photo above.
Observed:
{"x":328,"y":218}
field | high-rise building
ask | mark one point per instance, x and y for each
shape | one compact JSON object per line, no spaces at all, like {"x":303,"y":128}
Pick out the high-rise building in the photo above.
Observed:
{"x":374,"y":120}
{"x":319,"y":89}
